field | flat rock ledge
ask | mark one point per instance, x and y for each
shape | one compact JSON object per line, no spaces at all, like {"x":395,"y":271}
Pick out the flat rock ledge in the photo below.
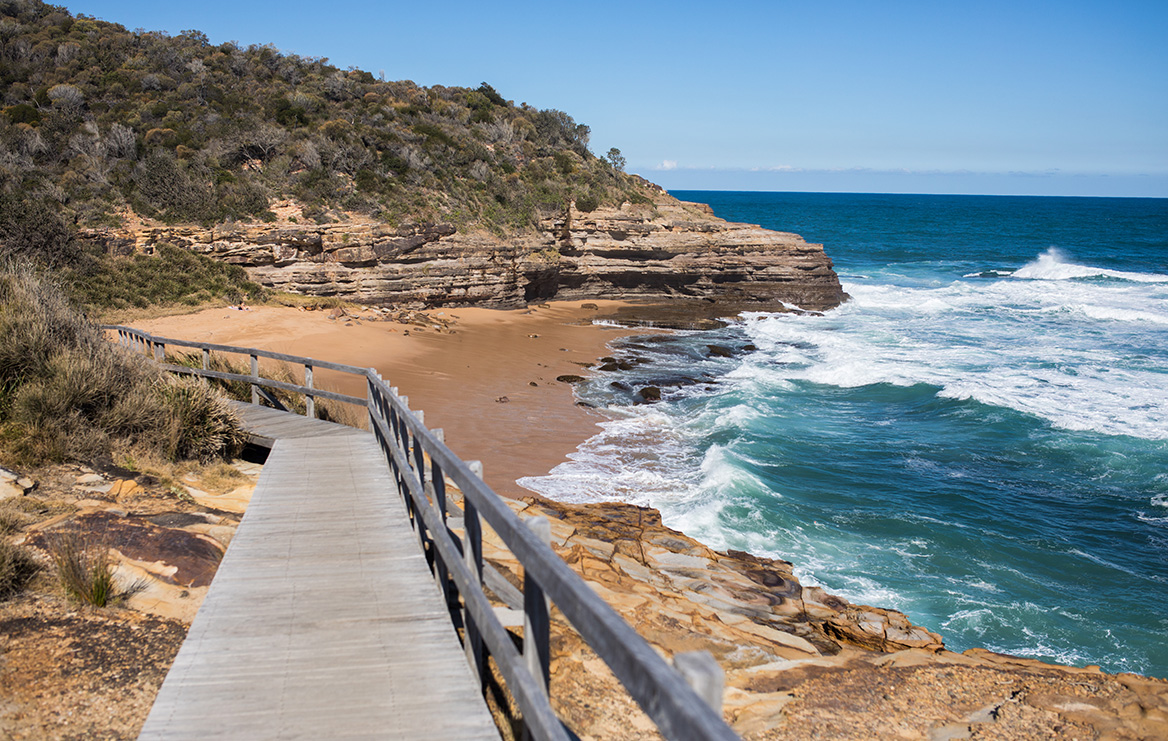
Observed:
{"x":666,"y":250}
{"x":801,"y":663}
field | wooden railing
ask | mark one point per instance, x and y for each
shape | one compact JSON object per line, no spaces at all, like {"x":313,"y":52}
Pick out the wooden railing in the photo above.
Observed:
{"x":684,"y":700}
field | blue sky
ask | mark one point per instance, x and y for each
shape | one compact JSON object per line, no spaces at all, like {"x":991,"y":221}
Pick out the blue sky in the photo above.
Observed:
{"x":1044,"y":98}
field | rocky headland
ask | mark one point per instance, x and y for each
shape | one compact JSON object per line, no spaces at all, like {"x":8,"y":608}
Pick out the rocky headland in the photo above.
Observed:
{"x":661,"y":251}
{"x":800,"y":663}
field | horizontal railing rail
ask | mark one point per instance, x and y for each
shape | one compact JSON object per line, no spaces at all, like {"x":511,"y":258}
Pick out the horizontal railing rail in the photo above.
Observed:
{"x":684,"y":701}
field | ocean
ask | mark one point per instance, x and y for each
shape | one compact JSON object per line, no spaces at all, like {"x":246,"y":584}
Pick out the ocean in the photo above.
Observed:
{"x":978,"y":438}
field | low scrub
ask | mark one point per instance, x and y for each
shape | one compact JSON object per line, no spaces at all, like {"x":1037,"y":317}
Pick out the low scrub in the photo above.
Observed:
{"x":170,"y":277}
{"x":66,"y":393}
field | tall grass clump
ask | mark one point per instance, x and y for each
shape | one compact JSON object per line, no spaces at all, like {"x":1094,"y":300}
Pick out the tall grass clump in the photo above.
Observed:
{"x":201,"y":425}
{"x":66,"y":393}
{"x":85,"y":569}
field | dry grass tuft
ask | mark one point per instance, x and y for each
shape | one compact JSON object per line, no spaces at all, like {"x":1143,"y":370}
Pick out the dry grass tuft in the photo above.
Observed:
{"x":85,"y":569}
{"x":221,"y":478}
{"x":202,"y":426}
{"x":17,"y":567}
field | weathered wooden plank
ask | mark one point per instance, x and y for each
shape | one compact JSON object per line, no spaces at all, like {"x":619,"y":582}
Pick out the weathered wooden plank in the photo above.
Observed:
{"x":323,"y":620}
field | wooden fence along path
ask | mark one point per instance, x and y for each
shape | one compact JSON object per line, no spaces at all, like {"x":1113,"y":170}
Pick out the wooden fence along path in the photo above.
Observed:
{"x":351,"y":603}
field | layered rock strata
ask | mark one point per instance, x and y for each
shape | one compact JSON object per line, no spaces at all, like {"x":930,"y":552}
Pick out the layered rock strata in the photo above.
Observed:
{"x":667,"y":250}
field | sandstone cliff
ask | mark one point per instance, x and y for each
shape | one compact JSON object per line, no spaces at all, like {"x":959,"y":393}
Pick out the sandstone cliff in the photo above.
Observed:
{"x":666,"y":250}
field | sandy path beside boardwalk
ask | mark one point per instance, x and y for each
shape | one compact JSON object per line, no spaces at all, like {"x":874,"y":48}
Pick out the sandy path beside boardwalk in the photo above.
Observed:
{"x":456,"y":379}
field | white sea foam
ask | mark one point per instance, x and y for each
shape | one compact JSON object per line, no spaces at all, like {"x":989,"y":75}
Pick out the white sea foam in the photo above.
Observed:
{"x":1053,"y":265}
{"x":1084,"y":356}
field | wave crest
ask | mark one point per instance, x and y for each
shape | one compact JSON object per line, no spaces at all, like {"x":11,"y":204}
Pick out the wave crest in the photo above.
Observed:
{"x":1053,"y":265}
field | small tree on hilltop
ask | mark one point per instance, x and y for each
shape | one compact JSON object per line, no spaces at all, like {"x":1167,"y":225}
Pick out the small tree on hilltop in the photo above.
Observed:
{"x":616,"y":159}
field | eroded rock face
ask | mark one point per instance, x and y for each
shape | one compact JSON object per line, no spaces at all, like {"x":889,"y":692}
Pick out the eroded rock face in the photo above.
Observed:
{"x":800,"y":663}
{"x":667,"y":250}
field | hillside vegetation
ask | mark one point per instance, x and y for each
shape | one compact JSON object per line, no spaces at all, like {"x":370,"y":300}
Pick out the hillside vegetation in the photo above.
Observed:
{"x":97,"y":121}
{"x":67,"y":393}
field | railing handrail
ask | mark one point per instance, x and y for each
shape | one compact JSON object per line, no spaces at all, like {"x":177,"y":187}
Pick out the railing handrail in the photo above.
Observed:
{"x":406,"y":442}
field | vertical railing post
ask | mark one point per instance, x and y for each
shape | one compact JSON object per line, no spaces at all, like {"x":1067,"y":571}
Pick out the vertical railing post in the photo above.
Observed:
{"x":255,"y":375}
{"x":472,"y":554}
{"x":701,"y":671}
{"x":438,"y":487}
{"x":371,"y":402}
{"x":159,"y":352}
{"x":536,"y":622}
{"x":206,"y":359}
{"x":309,"y":399}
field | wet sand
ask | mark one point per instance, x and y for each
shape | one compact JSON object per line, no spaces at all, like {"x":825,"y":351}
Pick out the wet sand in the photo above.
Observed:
{"x":490,"y":384}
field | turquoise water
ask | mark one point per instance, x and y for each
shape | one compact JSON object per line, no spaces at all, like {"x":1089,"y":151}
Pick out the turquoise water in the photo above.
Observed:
{"x":979,"y":438}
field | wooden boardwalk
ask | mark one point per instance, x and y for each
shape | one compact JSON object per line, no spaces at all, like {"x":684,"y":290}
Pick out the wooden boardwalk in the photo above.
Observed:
{"x":323,"y":620}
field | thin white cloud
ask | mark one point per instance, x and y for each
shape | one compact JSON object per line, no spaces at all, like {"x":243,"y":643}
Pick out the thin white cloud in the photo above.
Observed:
{"x":667,"y":165}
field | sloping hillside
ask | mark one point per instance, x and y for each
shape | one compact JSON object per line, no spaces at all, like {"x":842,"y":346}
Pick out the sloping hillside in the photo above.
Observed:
{"x":97,"y":119}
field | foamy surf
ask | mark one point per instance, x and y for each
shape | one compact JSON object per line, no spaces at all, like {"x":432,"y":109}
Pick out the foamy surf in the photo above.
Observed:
{"x":1054,"y":265}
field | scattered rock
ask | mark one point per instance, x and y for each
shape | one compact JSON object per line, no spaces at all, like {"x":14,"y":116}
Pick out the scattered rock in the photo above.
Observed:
{"x":502,"y":400}
{"x":569,"y":378}
{"x":649,"y":394}
{"x":124,"y":488}
{"x":12,"y":484}
{"x":719,"y":351}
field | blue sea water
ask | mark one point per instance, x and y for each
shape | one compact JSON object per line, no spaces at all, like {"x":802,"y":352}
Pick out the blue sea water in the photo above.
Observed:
{"x":978,"y":438}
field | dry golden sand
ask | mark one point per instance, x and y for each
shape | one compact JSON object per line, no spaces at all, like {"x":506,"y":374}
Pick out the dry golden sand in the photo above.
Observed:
{"x":490,"y":384}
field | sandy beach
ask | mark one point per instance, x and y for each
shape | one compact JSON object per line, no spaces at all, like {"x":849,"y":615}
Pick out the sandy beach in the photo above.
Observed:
{"x":489,"y":381}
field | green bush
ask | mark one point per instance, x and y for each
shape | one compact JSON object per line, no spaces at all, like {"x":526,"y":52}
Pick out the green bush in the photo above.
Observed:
{"x":587,"y":202}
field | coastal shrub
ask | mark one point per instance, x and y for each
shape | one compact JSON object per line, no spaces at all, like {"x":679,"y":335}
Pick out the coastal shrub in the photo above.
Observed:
{"x":71,"y":394}
{"x":108,"y":117}
{"x":85,"y":570}
{"x":201,"y":425}
{"x":587,"y":202}
{"x":170,"y":277}
{"x":31,"y":228}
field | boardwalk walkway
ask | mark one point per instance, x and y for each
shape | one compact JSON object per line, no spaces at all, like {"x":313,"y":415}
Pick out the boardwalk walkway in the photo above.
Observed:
{"x":323,"y":620}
